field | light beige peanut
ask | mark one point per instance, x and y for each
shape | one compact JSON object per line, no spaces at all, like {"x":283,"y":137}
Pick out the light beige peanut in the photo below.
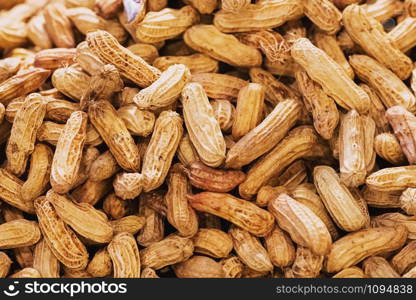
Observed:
{"x":407,"y":201}
{"x":186,"y":152}
{"x":146,"y":51}
{"x":100,"y":265}
{"x":324,"y":14}
{"x":58,"y":26}
{"x":264,"y":15}
{"x":292,"y":177}
{"x":391,"y":90}
{"x":268,"y":193}
{"x":330,"y":75}
{"x":351,"y":272}
{"x":54,"y":58}
{"x":129,"y":185}
{"x":115,"y":134}
{"x":26,"y":273}
{"x":59,"y":110}
{"x":125,"y":256}
{"x":10,"y":192}
{"x":329,"y":44}
{"x":179,"y":212}
{"x":19,"y":233}
{"x":45,"y":261}
{"x":338,"y":200}
{"x":82,"y":217}
{"x":234,"y":5}
{"x":199,"y":267}
{"x":104,"y":167}
{"x":362,"y":29}
{"x":210,"y":41}
{"x":250,"y":251}
{"x":405,"y":259}
{"x":5,"y":263}
{"x":8,"y":68}
{"x":203,"y":129}
{"x":379,"y":267}
{"x":395,"y":219}
{"x":138,"y":122}
{"x":165,"y":24}
{"x":304,"y":227}
{"x":294,"y":146}
{"x":242,"y":213}
{"x":307,"y":264}
{"x":196,"y":63}
{"x":23,"y":134}
{"x":219,"y":86}
{"x":130,"y":66}
{"x":71,"y":82}
{"x":164,"y":91}
{"x":212,"y":242}
{"x":410,"y":6}
{"x":249,"y":109}
{"x":387,"y":146}
{"x":352,"y":150}
{"x":39,"y":173}
{"x":107,"y":8}
{"x":171,"y":250}
{"x":22,"y":84}
{"x":324,"y":110}
{"x":265,"y":136}
{"x":232,"y":267}
{"x":62,"y":241}
{"x":162,"y":147}
{"x":224,"y":112}
{"x":354,"y":247}
{"x":280,"y":248}
{"x":402,"y":36}
{"x":89,"y":155}
{"x":131,"y":224}
{"x":88,"y":61}
{"x":410,"y":274}
{"x":311,"y":199}
{"x":68,"y":153}
{"x":213,"y":180}
{"x":392,"y":179}
{"x":381,"y":199}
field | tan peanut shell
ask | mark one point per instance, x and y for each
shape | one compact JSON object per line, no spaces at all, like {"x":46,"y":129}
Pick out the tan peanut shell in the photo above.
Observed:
{"x":280,"y":248}
{"x":165,"y":24}
{"x":391,"y":90}
{"x":68,"y":153}
{"x":10,"y":192}
{"x":58,"y":26}
{"x":62,"y":241}
{"x":5,"y":263}
{"x":363,"y":31}
{"x":408,"y":201}
{"x":171,"y":250}
{"x":324,"y":14}
{"x":19,"y":233}
{"x":129,"y":185}
{"x":307,"y":264}
{"x":132,"y":67}
{"x":210,"y":41}
{"x":104,"y":167}
{"x":232,"y":267}
{"x":131,"y":224}
{"x":100,"y":265}
{"x":164,"y":91}
{"x":199,"y":267}
{"x":82,"y":217}
{"x":405,"y":259}
{"x":354,"y":247}
{"x":153,"y":230}
{"x":330,"y":75}
{"x":45,"y":261}
{"x":242,"y":213}
{"x":196,"y":63}
{"x":179,"y":212}
{"x":303,"y":226}
{"x":213,"y":180}
{"x":212,"y":242}
{"x":351,"y":272}
{"x":23,"y":134}
{"x":250,"y":251}
{"x":394,"y":219}
{"x":162,"y":147}
{"x":387,"y":146}
{"x":265,"y":136}
{"x":264,"y":15}
{"x":379,"y":267}
{"x":115,"y":134}
{"x":125,"y":256}
{"x":249,"y":109}
{"x":39,"y":173}
{"x":203,"y":129}
{"x":224,"y":112}
{"x":295,"y":145}
{"x":71,"y":82}
{"x":392,"y":179}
